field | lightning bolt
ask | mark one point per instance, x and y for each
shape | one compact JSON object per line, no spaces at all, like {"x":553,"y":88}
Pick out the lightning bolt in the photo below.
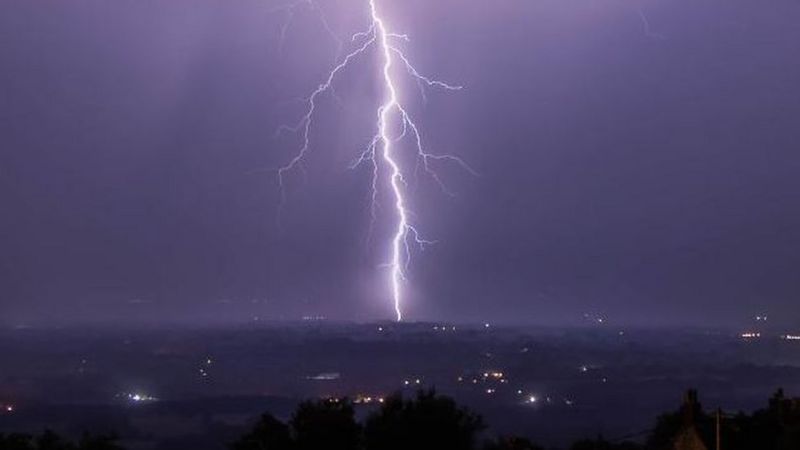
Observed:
{"x":648,"y":30}
{"x":290,"y":12}
{"x":381,"y":150}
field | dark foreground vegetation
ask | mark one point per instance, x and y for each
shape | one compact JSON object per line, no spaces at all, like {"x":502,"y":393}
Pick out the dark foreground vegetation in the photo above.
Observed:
{"x":51,"y":441}
{"x":431,"y":421}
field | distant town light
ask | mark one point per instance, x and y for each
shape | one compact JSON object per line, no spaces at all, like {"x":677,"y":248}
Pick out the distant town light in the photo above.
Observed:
{"x":141,"y":398}
{"x":328,"y":376}
{"x":751,"y":335}
{"x":314,"y":318}
{"x":362,"y":399}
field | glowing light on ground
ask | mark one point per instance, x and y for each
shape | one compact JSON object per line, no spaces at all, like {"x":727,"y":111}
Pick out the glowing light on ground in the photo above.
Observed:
{"x":140,"y":398}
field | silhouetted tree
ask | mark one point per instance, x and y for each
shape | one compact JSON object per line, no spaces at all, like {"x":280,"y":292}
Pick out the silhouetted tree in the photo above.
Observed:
{"x":774,"y":428}
{"x":268,"y":433}
{"x":602,"y":444}
{"x":326,"y":424}
{"x":51,"y":441}
{"x":511,"y":443}
{"x":100,"y":442}
{"x":669,"y":425}
{"x":16,"y":441}
{"x":427,"y":422}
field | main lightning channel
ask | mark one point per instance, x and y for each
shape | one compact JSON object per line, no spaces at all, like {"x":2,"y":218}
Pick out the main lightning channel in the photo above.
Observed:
{"x":405,"y":234}
{"x":402,"y":230}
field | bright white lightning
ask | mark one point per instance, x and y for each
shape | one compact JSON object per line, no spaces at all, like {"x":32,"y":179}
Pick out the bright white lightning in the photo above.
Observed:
{"x":403,"y":227}
{"x":405,"y":233}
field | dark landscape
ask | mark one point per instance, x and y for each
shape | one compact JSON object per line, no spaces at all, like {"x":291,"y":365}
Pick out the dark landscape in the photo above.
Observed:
{"x":203,"y":387}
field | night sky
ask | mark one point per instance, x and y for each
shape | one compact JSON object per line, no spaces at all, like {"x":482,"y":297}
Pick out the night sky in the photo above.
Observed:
{"x":636,"y":159}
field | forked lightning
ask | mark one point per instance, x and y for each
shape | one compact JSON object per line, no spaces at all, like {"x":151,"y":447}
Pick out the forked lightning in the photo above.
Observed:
{"x":381,"y":149}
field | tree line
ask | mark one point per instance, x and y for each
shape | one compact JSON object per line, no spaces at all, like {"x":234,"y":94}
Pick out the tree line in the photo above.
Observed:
{"x":430,"y":421}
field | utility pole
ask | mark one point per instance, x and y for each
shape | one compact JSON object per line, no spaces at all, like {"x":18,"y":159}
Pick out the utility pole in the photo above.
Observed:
{"x":719,"y":426}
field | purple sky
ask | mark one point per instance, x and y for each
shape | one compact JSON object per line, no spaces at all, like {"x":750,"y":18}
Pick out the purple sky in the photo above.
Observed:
{"x":647,"y":172}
